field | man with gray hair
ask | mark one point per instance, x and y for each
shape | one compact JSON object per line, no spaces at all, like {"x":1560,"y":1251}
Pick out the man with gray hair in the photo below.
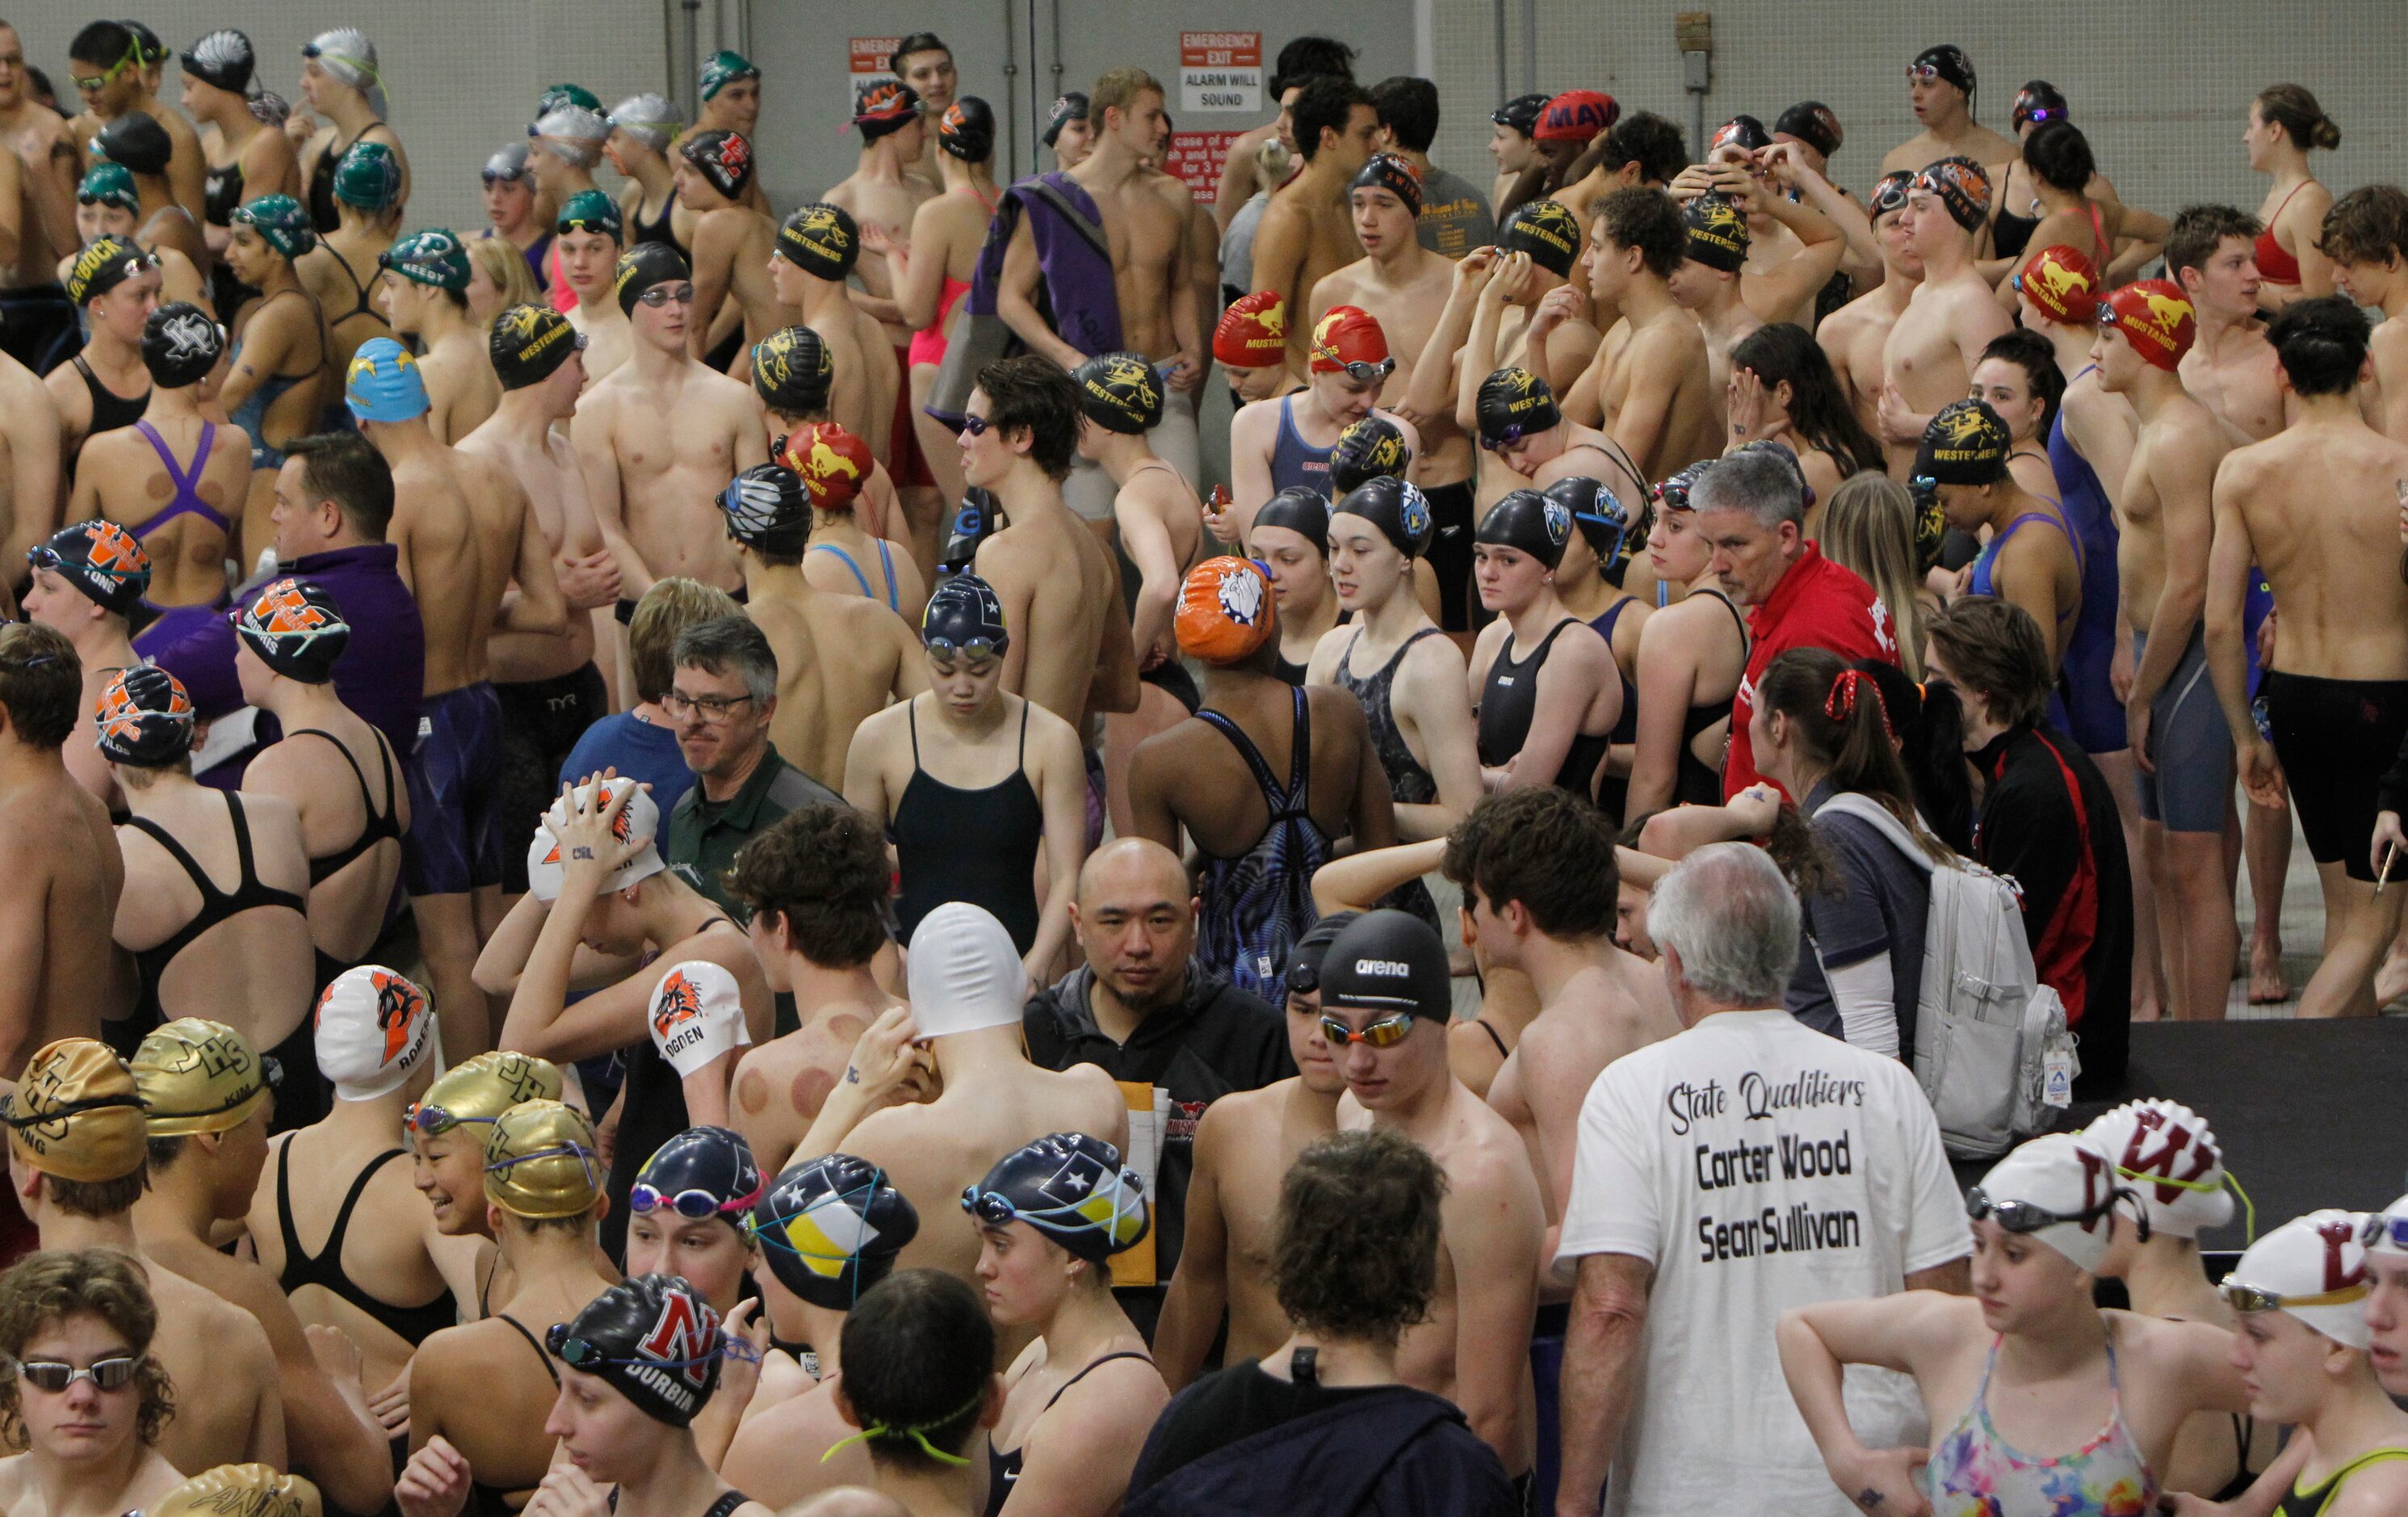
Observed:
{"x":1751,"y":506}
{"x":1743,"y":1166}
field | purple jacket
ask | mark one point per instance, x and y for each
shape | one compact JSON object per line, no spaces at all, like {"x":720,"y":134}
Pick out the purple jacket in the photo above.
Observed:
{"x":1075,"y":291}
{"x":382,"y":673}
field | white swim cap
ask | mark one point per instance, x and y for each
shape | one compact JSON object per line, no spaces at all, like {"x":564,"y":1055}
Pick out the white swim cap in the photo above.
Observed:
{"x":2313,"y":1268}
{"x":2058,"y":1177}
{"x":2167,"y":1152}
{"x":375,"y":1027}
{"x":640,"y":819}
{"x":698,"y":1015}
{"x":964,"y":974}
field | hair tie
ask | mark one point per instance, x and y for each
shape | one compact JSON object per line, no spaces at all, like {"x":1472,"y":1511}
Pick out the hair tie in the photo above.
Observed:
{"x":917,"y":1434}
{"x":1840,"y":705}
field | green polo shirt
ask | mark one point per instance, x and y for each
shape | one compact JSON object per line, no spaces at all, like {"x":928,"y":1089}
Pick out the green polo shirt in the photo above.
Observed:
{"x":705,"y":836}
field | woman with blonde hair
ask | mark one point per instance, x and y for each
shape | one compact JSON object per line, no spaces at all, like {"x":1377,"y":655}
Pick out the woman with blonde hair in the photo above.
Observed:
{"x":498,"y":279}
{"x":1868,"y":526}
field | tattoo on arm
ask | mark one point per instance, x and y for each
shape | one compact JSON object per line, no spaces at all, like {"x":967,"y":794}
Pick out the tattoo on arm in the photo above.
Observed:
{"x":852,"y":1075}
{"x":1870,"y":1499}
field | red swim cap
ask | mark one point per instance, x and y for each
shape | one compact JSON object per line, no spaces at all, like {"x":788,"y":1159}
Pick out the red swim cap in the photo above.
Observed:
{"x":2157,"y":316}
{"x":1253,"y":332}
{"x":1576,"y":116}
{"x":1347,"y":335}
{"x":2063,"y":283}
{"x":1224,"y":611}
{"x":834,"y":464}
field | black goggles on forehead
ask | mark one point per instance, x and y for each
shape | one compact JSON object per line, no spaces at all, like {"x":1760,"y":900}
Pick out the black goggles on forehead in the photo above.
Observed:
{"x":978,"y":650}
{"x":585,"y":1355}
{"x":2022,"y":1218}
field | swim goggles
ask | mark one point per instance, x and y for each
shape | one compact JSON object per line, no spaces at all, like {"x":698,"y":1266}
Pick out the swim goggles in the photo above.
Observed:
{"x":643,"y":1196}
{"x":978,"y":650}
{"x":1507,"y":436}
{"x":2247,"y":1299}
{"x":2381,"y":1229}
{"x":975,"y":425}
{"x":422,"y":1117}
{"x":133,"y":56}
{"x":1387,"y":1033}
{"x":55,"y":1377}
{"x":1362,"y":371}
{"x":585,"y":1355}
{"x":2024,"y":1217}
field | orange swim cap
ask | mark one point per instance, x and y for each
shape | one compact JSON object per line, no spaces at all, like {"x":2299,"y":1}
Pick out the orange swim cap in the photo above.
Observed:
{"x":1224,"y":611}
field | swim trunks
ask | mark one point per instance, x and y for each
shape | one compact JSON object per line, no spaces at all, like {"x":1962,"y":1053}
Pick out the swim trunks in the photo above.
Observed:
{"x":2335,"y":739}
{"x":454,"y":843}
{"x":2191,"y":747}
{"x":541,"y":721}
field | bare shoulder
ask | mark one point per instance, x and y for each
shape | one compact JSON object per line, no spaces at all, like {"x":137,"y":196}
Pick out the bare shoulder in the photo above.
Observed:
{"x":1241,"y":1113}
{"x":1255,"y":417}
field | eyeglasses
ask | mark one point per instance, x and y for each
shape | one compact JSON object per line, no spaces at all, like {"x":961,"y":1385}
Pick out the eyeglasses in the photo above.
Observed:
{"x":697,"y":1206}
{"x":713,"y":709}
{"x":54,"y":1376}
{"x":2248,"y":1299}
{"x":1358,"y":370}
{"x":976,"y":425}
{"x":2023,"y":1217}
{"x":1384,"y":1034}
{"x":2380,"y":1228}
{"x":666,"y":294}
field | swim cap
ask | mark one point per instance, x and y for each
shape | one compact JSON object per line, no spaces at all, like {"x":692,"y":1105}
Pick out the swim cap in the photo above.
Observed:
{"x":75,"y":1113}
{"x":1224,"y":611}
{"x":529,"y":343}
{"x":834,"y":463}
{"x":2313,"y":1268}
{"x":281,"y":222}
{"x":1544,"y":230}
{"x":1368,"y":449}
{"x":1948,"y":61}
{"x":2166,"y":1149}
{"x":2038,"y":101}
{"x":294,"y":628}
{"x":541,"y":1162}
{"x":1930,"y":529}
{"x":1576,"y":116}
{"x":1717,"y":233}
{"x":830,"y":1229}
{"x":384,"y":383}
{"x":181,"y":345}
{"x":197,"y":1075}
{"x":2157,"y":316}
{"x":1521,"y":113}
{"x":1300,"y":509}
{"x":1071,"y":105}
{"x":1889,"y":192}
{"x":1071,"y":1187}
{"x":222,"y":58}
{"x":652,"y":1338}
{"x":110,"y":185}
{"x":575,"y":133}
{"x":642,"y":267}
{"x":136,"y":140}
{"x":1388,"y":960}
{"x":967,"y":130}
{"x":2058,"y":1174}
{"x":1386,"y":171}
{"x":1598,"y":515}
{"x":347,"y":55}
{"x":649,"y":118}
{"x":238,"y":1491}
{"x":1743,"y":132}
{"x":974,"y":522}
{"x":640,"y":818}
{"x":145,"y":718}
{"x":1305,"y":959}
{"x":368,"y":177}
{"x":1672,"y":494}
{"x":480,"y":1089}
{"x":1397,"y":508}
{"x":2388,"y":1229}
{"x":963,"y":616}
{"x":768,"y":507}
{"x":1527,"y":522}
{"x":964,"y":973}
{"x":1966,"y":443}
{"x":885,"y":109}
{"x":1813,"y":123}
{"x":1347,"y":336}
{"x":99,"y":558}
{"x":105,"y":264}
{"x":702,"y":1172}
{"x":1118,"y":392}
{"x":821,"y":240}
{"x":1253,"y":332}
{"x":269,"y":108}
{"x":723,"y":158}
{"x":375,"y":1027}
{"x":2063,"y":283}
{"x":1513,"y":404}
{"x":723,"y":69}
{"x":793,"y":370}
{"x":556,"y":96}
{"x":1962,"y":185}
{"x":433,"y":257}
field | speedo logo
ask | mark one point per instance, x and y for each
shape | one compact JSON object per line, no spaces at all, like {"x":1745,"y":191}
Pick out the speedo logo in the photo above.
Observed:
{"x":1386,"y":968}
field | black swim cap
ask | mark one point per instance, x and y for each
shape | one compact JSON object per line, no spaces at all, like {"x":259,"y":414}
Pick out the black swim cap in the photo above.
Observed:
{"x":1743,"y":132}
{"x":1367,"y":450}
{"x":105,"y":264}
{"x":529,"y":343}
{"x":1118,"y":392}
{"x":723,"y":158}
{"x":1386,"y":171}
{"x":793,"y":370}
{"x":1889,"y":191}
{"x":1949,"y":61}
{"x":1512,"y":404}
{"x":1071,"y":1187}
{"x":136,"y":140}
{"x":642,"y":267}
{"x":1597,"y":514}
{"x":293,"y":626}
{"x":1399,"y":510}
{"x":768,"y":509}
{"x":1717,"y":233}
{"x":223,"y":58}
{"x":1521,"y":113}
{"x":1305,"y":959}
{"x":830,"y":1229}
{"x":974,"y":522}
{"x":1813,"y":123}
{"x":1387,"y":962}
{"x":1673,"y":493}
{"x":1302,"y":510}
{"x":1544,"y":230}
{"x":1071,"y":105}
{"x":821,"y":240}
{"x":967,"y":130}
{"x":1966,"y":443}
{"x":181,"y":345}
{"x":2038,"y":101}
{"x":964,"y":615}
{"x":652,"y":1338}
{"x":702,"y":1172}
{"x":1527,"y":522}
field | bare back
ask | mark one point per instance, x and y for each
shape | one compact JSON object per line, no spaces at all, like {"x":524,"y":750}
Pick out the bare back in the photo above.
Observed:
{"x":251,"y":970}
{"x":458,"y":521}
{"x":228,"y":1410}
{"x":1056,"y":581}
{"x":61,"y":862}
{"x":309,"y":772}
{"x":840,"y":659}
{"x":2321,"y":503}
{"x":121,"y":476}
{"x":781,"y":1086}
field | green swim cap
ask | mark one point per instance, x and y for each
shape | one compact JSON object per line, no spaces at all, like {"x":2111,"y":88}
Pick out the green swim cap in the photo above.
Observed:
{"x":281,"y":221}
{"x":108,"y":184}
{"x":368,"y":177}
{"x":590,"y":211}
{"x":566,"y":95}
{"x":723,"y":69}
{"x":432,"y":257}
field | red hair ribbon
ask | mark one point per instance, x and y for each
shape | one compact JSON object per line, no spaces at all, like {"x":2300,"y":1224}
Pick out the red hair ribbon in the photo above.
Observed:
{"x":1841,"y":703}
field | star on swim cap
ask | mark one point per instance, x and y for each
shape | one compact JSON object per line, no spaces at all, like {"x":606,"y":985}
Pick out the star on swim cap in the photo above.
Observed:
{"x":1070,"y":1186}
{"x":831,"y":1228}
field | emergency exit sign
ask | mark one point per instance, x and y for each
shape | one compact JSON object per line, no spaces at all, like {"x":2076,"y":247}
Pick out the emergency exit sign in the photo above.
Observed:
{"x":1221,"y":71}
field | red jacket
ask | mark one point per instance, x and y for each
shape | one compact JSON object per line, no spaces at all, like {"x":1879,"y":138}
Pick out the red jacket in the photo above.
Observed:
{"x":1817,"y":604}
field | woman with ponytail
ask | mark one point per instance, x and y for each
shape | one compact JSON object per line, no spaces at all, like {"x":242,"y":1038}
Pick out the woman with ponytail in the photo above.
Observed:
{"x":2284,"y":125}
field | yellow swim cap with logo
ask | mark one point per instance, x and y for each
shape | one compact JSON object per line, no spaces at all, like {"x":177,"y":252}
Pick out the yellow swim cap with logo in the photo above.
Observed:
{"x":75,"y":1113}
{"x":197,"y":1075}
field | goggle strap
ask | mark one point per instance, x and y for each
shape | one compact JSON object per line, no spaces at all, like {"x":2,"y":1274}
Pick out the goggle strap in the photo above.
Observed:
{"x":918,"y":1434}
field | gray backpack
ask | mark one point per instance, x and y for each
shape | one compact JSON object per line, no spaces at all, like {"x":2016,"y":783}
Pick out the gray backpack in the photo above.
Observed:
{"x":1991,"y":1048}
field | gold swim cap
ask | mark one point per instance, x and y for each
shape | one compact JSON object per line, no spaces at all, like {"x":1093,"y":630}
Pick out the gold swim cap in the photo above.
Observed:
{"x":238,"y":1491}
{"x":75,"y":1113}
{"x":481,"y":1089}
{"x":541,"y":1160}
{"x":197,"y":1075}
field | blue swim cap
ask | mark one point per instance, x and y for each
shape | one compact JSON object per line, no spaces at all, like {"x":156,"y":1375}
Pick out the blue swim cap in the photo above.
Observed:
{"x":384,"y":383}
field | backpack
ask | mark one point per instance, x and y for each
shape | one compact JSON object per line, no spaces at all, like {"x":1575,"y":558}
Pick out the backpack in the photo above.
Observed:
{"x":976,"y":335}
{"x":1991,"y":1048}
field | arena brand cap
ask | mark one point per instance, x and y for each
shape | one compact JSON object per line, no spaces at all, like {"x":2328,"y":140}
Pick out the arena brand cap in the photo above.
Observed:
{"x":1071,"y":1187}
{"x":238,"y":1491}
{"x":640,"y":818}
{"x":967,"y":130}
{"x":180,"y":344}
{"x":642,"y":267}
{"x":792,"y":371}
{"x":1068,"y":108}
{"x":723,"y":69}
{"x":1512,"y":404}
{"x":723,"y":158}
{"x":1966,"y":443}
{"x":529,"y":343}
{"x":368,"y":177}
{"x":2157,"y":316}
{"x":1576,"y":116}
{"x":1717,"y":231}
{"x":1598,"y":515}
{"x":701,"y":1173}
{"x":1813,"y":123}
{"x":145,"y":718}
{"x":1368,"y":449}
{"x":1945,"y":61}
{"x":384,"y":383}
{"x":483,"y":1088}
{"x":821,"y":240}
{"x":1387,"y":962}
{"x":375,"y":1027}
{"x":1962,"y":185}
{"x":1397,"y":508}
{"x":136,"y":140}
{"x":1299,"y":509}
{"x":110,"y":185}
{"x":1386,"y":171}
{"x":2038,"y":101}
{"x":75,"y":1113}
{"x":830,"y":1229}
{"x":2062,"y":1187}
{"x":1118,"y":392}
{"x":1742,"y":132}
{"x":2063,"y":283}
{"x":653,"y":1339}
{"x":1224,"y":611}
{"x":766,"y":507}
{"x":105,"y":264}
{"x":2167,"y":1152}
{"x":2313,"y":1268}
{"x":1253,"y":332}
{"x":1348,"y":338}
{"x":294,"y":628}
{"x":197,"y":1075}
{"x":885,"y":109}
{"x":964,"y":977}
{"x":1527,"y":522}
{"x":1521,"y":113}
{"x":1544,"y":230}
{"x":222,"y":58}
{"x":541,"y":1162}
{"x":1889,"y":192}
{"x":100,"y":558}
{"x":697,"y":1016}
{"x":1312,"y":950}
{"x":833,"y":463}
{"x":590,"y":211}
{"x":964,"y":616}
